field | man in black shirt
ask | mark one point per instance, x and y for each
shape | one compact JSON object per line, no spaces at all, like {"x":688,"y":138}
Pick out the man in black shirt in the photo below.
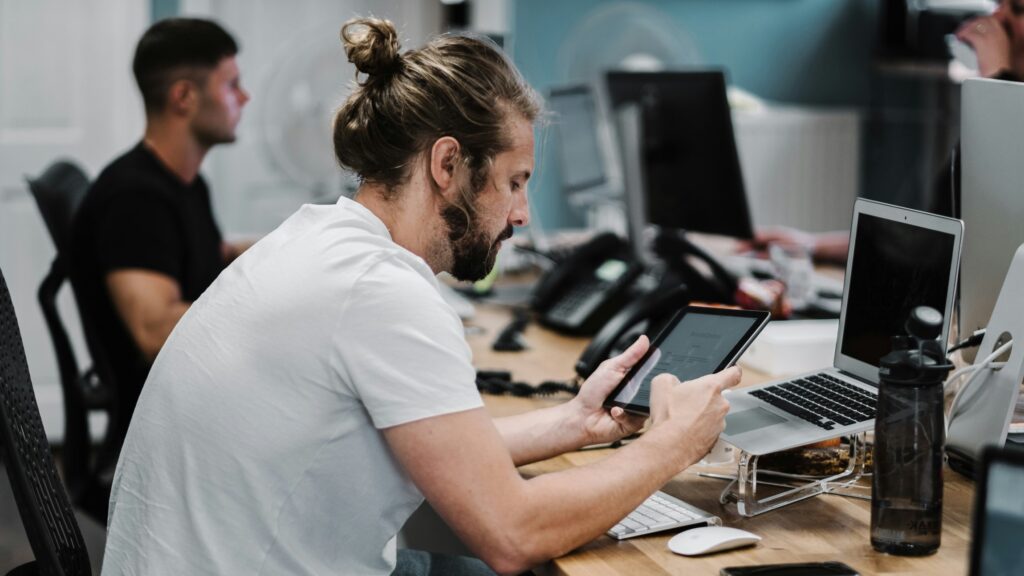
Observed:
{"x":146,"y":244}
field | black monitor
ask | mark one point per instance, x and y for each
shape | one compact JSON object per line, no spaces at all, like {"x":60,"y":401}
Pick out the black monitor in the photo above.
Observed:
{"x":690,"y":163}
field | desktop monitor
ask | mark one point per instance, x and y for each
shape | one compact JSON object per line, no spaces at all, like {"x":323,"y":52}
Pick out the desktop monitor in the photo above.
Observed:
{"x":577,"y":121}
{"x":992,"y":194}
{"x":691,"y":167}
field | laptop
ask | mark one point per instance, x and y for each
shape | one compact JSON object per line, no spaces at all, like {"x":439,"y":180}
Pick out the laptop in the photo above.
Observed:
{"x":898,"y":259}
{"x":998,"y":515}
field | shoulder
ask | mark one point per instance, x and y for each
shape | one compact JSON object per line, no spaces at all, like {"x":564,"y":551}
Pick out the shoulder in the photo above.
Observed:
{"x":131,"y":177}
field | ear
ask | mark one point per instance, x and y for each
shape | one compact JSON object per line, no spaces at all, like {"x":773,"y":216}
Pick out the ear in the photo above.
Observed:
{"x":182,"y":97}
{"x":444,"y":158}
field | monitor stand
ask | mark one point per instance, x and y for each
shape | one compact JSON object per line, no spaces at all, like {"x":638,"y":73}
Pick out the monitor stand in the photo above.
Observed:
{"x":677,"y":252}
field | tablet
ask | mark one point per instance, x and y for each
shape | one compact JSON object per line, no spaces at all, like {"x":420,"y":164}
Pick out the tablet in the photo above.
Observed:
{"x":696,"y":342}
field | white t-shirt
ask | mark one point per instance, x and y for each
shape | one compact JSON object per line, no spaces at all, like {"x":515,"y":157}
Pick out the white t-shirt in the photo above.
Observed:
{"x":256,"y":445}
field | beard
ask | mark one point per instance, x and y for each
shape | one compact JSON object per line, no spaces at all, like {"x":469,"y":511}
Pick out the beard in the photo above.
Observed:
{"x":473,"y":250}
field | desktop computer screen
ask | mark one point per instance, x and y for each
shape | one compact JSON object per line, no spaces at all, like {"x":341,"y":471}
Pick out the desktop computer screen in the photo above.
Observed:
{"x":992,"y":194}
{"x":576,"y":119}
{"x":691,"y":167}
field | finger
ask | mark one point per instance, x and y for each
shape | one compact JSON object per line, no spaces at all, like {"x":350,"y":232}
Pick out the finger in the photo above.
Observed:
{"x":730,"y":378}
{"x":661,"y":390}
{"x":627,"y":420}
{"x":633,"y":354}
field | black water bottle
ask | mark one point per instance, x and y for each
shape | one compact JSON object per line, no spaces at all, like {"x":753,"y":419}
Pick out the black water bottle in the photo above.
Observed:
{"x":906,"y":496}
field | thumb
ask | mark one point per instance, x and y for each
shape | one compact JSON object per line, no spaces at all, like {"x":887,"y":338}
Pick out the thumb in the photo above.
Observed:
{"x":633,"y":354}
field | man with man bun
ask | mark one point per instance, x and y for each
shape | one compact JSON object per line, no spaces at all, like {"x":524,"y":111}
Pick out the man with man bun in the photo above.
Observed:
{"x":321,"y":388}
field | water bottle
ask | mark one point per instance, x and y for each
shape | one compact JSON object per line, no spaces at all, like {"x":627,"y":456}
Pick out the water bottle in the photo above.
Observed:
{"x":906,"y":496}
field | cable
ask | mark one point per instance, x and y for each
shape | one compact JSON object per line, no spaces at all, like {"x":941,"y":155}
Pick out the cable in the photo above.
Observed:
{"x":969,"y":342}
{"x":985,"y":365}
{"x":499,"y":382}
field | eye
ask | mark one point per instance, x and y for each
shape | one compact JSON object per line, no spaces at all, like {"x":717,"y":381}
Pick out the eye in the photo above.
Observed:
{"x":516,"y":186}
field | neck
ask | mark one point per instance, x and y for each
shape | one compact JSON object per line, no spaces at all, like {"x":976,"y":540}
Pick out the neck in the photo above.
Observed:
{"x":175,"y":147}
{"x":411,"y":217}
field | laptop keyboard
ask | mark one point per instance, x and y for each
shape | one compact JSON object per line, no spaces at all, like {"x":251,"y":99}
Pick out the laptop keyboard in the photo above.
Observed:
{"x":822,"y":400}
{"x":658,"y":513}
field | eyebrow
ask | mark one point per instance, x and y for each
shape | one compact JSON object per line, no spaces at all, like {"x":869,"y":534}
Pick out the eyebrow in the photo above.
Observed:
{"x":525,"y":174}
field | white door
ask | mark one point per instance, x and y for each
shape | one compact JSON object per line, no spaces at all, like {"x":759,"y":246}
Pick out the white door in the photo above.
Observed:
{"x":66,"y":91}
{"x":295,"y":69}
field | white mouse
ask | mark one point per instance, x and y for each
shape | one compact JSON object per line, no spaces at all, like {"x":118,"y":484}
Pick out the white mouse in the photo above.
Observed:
{"x":708,"y":539}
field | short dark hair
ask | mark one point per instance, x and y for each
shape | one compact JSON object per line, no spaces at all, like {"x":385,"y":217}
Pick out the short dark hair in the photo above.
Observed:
{"x":177,"y":48}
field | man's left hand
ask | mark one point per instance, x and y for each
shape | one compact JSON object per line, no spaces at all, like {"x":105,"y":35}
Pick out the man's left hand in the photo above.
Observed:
{"x":600,"y":424}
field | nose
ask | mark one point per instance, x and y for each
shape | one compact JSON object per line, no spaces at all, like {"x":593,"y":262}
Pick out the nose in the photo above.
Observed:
{"x":520,"y":214}
{"x":243,"y":96}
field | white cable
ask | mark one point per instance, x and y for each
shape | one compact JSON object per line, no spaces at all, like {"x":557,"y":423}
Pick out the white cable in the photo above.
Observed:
{"x":983,"y":367}
{"x":965,"y":370}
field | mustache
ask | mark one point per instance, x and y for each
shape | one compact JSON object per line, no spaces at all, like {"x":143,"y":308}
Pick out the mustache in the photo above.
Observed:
{"x":506,"y":234}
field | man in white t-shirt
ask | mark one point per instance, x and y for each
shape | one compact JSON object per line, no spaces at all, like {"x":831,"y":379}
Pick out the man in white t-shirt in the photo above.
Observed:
{"x":321,"y":387}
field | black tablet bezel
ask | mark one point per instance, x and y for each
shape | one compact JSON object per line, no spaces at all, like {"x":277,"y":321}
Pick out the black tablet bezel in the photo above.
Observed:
{"x":730,"y":358}
{"x":990,"y":455}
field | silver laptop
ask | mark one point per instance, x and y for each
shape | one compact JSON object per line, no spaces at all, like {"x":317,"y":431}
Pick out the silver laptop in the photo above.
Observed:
{"x":898,"y":259}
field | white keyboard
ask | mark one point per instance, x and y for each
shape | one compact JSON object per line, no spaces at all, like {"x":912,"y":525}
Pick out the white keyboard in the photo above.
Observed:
{"x":661,"y":512}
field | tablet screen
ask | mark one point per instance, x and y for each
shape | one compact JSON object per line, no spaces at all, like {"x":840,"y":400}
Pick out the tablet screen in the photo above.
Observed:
{"x":699,"y":341}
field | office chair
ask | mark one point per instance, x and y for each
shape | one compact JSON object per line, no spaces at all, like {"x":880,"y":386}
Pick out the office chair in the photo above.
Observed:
{"x":58,"y":192}
{"x":43,"y":504}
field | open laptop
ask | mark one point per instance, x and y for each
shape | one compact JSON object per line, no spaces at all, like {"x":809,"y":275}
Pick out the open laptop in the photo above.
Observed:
{"x":898,"y":259}
{"x":998,"y":515}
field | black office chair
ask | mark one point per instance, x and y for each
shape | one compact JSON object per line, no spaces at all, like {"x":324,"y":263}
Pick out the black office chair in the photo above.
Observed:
{"x":58,"y":192}
{"x":42,"y":502}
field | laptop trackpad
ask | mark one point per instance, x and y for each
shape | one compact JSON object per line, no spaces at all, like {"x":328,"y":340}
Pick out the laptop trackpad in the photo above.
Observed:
{"x":747,"y":420}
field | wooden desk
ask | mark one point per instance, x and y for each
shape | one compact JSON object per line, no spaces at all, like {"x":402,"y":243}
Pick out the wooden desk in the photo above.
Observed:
{"x":820,"y":529}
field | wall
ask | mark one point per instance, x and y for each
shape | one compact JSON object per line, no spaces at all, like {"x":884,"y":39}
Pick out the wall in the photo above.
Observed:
{"x":807,"y":52}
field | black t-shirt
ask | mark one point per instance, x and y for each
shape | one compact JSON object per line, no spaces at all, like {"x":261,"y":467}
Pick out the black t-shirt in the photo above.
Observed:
{"x":139,"y":214}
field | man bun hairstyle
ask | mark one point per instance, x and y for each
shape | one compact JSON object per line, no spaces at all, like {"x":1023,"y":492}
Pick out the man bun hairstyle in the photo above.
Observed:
{"x":175,"y":49}
{"x":372,"y":46}
{"x":456,"y":85}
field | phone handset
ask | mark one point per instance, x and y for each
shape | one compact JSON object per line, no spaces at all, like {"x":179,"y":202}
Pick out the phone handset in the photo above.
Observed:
{"x":645,"y":315}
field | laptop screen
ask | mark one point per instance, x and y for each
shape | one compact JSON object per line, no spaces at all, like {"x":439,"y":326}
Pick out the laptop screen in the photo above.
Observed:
{"x":895,"y":267}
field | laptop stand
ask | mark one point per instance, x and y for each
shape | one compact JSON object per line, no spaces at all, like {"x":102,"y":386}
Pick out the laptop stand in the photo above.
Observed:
{"x":743,"y":489}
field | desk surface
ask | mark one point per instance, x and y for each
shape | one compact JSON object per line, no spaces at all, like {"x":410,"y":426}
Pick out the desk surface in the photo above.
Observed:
{"x":820,"y":529}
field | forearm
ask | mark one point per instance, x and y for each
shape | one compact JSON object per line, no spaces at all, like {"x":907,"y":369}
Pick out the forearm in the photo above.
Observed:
{"x":596,"y":496}
{"x":542,"y":434}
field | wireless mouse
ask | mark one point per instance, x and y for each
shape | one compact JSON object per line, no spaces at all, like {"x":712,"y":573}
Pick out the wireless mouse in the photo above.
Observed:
{"x":708,"y":539}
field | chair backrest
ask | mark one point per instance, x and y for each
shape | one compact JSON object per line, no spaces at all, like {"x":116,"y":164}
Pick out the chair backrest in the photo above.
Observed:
{"x":58,"y":192}
{"x":44,"y":506}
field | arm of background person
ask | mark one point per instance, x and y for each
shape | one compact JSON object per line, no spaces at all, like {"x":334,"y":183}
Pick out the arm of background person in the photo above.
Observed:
{"x":825,"y":246}
{"x":545,"y":433}
{"x":150,"y":305}
{"x":991,"y":43}
{"x":460,"y":463}
{"x":231,"y":250}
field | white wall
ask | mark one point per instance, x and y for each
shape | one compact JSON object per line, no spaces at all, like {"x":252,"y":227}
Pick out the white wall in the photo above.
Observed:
{"x":293,"y":64}
{"x":65,"y":91}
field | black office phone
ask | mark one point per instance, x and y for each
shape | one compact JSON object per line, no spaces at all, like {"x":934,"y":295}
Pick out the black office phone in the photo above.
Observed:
{"x":578,"y":295}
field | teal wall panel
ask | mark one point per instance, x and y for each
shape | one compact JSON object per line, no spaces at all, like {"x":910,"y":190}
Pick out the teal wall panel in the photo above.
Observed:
{"x":808,"y":52}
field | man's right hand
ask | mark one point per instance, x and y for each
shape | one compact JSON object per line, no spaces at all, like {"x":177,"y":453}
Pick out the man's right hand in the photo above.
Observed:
{"x":695,"y":410}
